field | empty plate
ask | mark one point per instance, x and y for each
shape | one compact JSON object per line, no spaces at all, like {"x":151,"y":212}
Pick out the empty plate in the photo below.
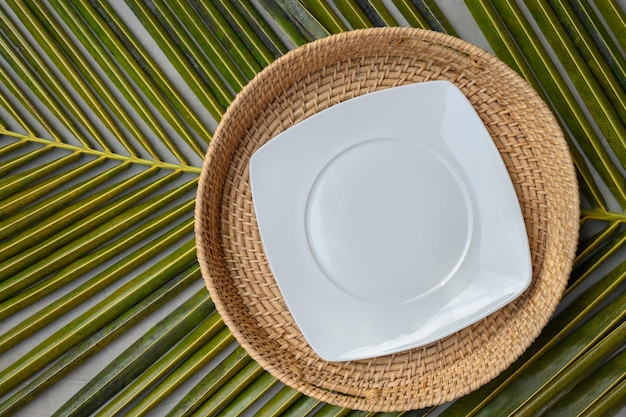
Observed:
{"x":389,"y":221}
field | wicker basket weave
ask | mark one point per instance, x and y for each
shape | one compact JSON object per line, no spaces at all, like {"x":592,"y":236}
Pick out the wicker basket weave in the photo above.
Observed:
{"x":323,"y":73}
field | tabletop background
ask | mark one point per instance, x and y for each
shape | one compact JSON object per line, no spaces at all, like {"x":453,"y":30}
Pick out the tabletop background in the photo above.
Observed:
{"x":106,"y":109}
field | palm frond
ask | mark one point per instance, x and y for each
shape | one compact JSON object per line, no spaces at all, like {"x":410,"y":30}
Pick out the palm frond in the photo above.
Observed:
{"x":106,"y":109}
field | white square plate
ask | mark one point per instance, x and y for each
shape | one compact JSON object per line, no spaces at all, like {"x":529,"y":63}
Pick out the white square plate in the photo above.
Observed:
{"x":389,"y":221}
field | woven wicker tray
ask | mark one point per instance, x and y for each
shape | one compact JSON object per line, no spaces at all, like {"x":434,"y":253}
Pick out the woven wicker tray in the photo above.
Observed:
{"x":312,"y":78}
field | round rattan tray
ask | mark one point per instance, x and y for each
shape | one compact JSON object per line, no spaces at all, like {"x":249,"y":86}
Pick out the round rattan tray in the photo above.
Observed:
{"x":315,"y":76}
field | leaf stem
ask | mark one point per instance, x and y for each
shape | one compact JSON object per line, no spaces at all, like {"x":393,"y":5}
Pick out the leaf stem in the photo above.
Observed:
{"x":600,"y":214}
{"x":103,"y":154}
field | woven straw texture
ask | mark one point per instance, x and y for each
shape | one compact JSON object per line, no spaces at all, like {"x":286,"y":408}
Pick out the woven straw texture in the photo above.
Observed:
{"x":323,"y":73}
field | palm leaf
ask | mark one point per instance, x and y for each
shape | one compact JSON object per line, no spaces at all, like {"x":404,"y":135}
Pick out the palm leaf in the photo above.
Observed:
{"x":106,"y":109}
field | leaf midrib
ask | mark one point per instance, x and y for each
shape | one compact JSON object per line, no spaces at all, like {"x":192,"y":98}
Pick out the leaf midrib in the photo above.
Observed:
{"x":103,"y":154}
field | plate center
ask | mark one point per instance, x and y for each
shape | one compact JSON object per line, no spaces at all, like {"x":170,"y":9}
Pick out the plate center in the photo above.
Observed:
{"x":388,"y":221}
